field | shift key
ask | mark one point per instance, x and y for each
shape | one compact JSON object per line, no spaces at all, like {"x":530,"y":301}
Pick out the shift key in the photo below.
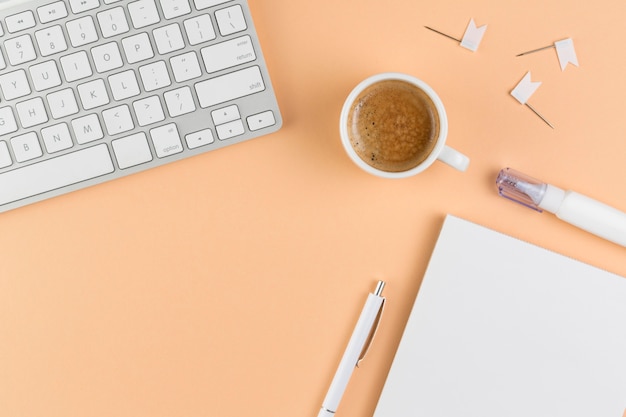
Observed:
{"x":230,"y":86}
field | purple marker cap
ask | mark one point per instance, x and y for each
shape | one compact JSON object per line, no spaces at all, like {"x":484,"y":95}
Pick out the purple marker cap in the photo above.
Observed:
{"x":521,"y":188}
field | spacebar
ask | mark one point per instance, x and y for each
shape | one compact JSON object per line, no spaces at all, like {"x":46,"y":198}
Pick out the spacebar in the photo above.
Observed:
{"x":55,"y":173}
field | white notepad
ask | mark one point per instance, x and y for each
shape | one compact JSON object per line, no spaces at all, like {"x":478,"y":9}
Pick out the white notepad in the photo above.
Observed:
{"x":503,"y":328}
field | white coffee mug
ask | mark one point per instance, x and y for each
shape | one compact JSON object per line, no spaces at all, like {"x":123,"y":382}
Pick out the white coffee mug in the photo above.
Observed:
{"x":440,"y":152}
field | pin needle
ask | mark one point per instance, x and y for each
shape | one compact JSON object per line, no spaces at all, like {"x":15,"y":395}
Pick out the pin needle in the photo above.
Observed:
{"x":536,"y":50}
{"x":540,"y":116}
{"x":441,"y":33}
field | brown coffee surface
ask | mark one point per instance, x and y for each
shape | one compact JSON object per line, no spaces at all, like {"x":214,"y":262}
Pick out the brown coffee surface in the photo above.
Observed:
{"x":393,"y":125}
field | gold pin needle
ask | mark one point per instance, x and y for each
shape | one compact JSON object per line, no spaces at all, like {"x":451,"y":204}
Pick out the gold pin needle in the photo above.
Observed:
{"x":441,"y":33}
{"x":540,"y":116}
{"x":536,"y":50}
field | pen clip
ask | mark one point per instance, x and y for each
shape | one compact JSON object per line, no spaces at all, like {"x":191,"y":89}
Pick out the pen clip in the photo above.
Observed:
{"x":370,"y":337}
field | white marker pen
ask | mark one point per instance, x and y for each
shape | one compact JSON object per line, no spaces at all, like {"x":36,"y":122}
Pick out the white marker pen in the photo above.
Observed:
{"x":579,"y":210}
{"x":355,"y":351}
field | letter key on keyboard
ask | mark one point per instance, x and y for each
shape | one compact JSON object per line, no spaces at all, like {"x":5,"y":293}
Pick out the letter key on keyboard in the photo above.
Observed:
{"x":93,"y":90}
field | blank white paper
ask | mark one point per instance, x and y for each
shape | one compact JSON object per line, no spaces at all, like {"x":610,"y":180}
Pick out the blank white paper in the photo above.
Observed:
{"x":503,"y":328}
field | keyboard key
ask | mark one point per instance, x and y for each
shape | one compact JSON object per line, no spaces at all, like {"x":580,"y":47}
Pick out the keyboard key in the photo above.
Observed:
{"x":148,"y":111}
{"x":168,"y":38}
{"x":124,"y":85}
{"x":203,"y":4}
{"x":261,"y":120}
{"x":132,"y":150}
{"x":230,"y":86}
{"x":87,"y":129}
{"x":55,"y":173}
{"x":198,"y":139}
{"x":228,"y":54}
{"x":113,"y":22}
{"x":76,"y":66}
{"x":79,"y":6}
{"x":106,"y":57}
{"x":230,"y":20}
{"x":7,"y":121}
{"x":51,"y":12}
{"x":51,"y":40}
{"x":31,"y":112}
{"x":230,"y":130}
{"x":185,"y":67}
{"x":179,"y":101}
{"x":166,"y":140}
{"x":93,"y":94}
{"x":154,"y":76}
{"x":118,"y":120}
{"x":20,"y":21}
{"x":137,"y":48}
{"x":225,"y":115}
{"x":143,"y":13}
{"x":56,"y":138}
{"x":45,"y":75}
{"x":5,"y":156}
{"x":82,"y":31}
{"x":14,"y":84}
{"x":26,"y":147}
{"x":62,"y":103}
{"x":20,"y":50}
{"x":199,"y":29}
{"x":174,"y":8}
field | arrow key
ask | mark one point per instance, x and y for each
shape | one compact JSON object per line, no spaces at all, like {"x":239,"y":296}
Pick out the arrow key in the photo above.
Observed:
{"x":230,"y":129}
{"x":261,"y":120}
{"x":225,"y":115}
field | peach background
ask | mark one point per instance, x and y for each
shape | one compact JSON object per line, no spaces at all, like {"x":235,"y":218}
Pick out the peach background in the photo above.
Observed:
{"x":228,"y":284}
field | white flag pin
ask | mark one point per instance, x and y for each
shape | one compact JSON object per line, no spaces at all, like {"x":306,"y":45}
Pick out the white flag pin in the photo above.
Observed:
{"x":566,"y":53}
{"x":525,"y":88}
{"x":522,"y":92}
{"x":564,"y":50}
{"x":471,"y":38}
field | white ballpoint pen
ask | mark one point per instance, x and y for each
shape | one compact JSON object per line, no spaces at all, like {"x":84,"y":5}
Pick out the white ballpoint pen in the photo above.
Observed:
{"x":355,"y":351}
{"x":577,"y":209}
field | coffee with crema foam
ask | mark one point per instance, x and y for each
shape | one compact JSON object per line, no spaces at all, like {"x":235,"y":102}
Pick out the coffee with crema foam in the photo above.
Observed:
{"x":393,"y":125}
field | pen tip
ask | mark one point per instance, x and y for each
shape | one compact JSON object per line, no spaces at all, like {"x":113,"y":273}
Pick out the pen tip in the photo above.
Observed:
{"x":379,"y":288}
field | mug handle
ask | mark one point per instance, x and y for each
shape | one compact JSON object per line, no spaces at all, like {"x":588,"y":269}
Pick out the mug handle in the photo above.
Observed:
{"x":454,"y":158}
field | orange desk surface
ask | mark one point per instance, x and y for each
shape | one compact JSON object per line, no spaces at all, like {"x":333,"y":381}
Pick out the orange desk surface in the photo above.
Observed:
{"x":228,"y":284}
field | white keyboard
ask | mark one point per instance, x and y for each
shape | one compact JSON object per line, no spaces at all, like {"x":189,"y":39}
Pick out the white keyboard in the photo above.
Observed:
{"x":92,"y":90}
